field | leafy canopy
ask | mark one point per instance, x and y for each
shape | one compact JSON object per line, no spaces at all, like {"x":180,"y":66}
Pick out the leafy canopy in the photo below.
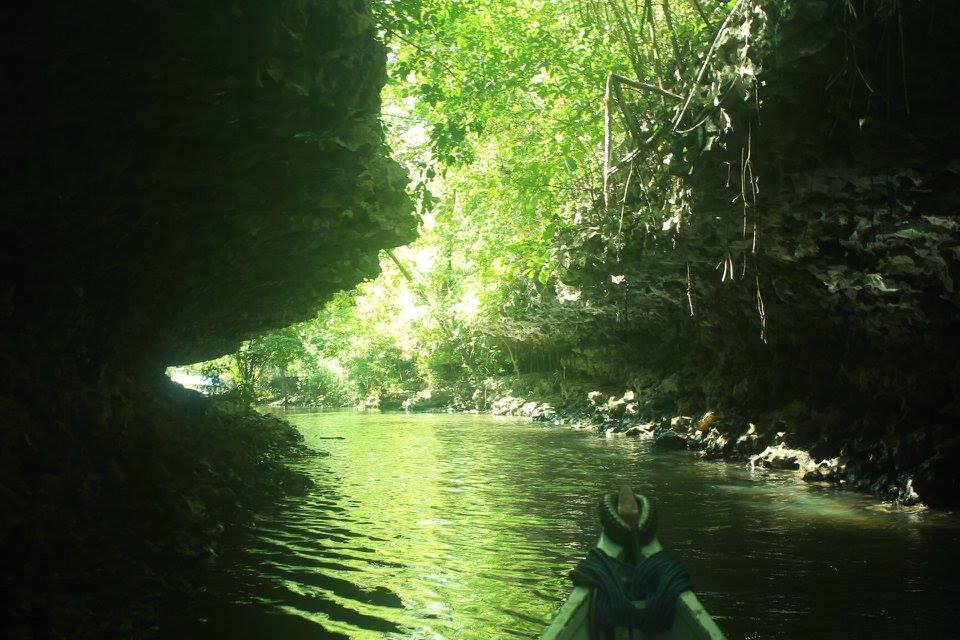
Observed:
{"x":497,"y":109}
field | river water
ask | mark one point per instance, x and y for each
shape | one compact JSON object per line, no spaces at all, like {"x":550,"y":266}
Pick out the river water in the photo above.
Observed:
{"x":451,"y":526}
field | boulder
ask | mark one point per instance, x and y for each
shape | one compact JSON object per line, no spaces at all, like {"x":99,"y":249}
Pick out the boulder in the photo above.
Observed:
{"x":639,"y":430}
{"x":720,"y":445}
{"x":748,"y":443}
{"x":668,"y":439}
{"x":830,"y":469}
{"x":908,"y":495}
{"x":616,"y":407}
{"x":427,"y":400}
{"x":528,"y":408}
{"x":543,"y":412}
{"x":780,"y":457}
{"x":507,"y":405}
{"x":706,"y":420}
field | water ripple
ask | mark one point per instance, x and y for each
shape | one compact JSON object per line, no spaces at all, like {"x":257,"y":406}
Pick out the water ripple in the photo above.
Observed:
{"x":433,"y":527}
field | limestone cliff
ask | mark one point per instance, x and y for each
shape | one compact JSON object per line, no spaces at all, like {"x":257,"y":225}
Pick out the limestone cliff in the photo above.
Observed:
{"x":179,"y":175}
{"x":812,"y":284}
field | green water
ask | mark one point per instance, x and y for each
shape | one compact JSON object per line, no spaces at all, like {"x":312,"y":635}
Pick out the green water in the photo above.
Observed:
{"x":438,"y":526}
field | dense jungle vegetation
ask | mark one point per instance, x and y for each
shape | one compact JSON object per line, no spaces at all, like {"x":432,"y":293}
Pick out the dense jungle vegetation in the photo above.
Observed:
{"x":506,"y":115}
{"x":621,"y":195}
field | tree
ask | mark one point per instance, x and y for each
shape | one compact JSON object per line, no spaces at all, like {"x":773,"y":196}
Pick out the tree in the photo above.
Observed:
{"x":513,"y":118}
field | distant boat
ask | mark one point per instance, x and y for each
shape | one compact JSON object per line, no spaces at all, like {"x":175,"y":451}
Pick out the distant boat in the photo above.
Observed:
{"x":690,"y":620}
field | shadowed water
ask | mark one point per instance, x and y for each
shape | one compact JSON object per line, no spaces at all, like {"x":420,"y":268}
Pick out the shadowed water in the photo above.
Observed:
{"x":439,"y":526}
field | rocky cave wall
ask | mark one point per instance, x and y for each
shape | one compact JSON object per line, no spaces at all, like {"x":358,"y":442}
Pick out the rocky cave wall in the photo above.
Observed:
{"x":853,"y":142}
{"x":179,"y":176}
{"x":182,"y":175}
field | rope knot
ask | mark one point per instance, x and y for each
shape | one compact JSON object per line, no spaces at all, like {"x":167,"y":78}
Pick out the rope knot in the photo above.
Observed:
{"x":656,"y":579}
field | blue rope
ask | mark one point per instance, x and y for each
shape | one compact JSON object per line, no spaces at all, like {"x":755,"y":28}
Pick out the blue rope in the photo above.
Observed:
{"x":657,"y":580}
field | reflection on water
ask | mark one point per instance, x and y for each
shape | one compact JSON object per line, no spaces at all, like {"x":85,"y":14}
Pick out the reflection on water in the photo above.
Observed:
{"x":438,"y":526}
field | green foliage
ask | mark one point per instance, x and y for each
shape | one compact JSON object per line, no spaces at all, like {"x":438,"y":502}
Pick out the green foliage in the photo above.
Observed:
{"x":321,"y":386}
{"x":511,"y":99}
{"x":276,"y":350}
{"x":497,"y":110}
{"x":258,"y":368}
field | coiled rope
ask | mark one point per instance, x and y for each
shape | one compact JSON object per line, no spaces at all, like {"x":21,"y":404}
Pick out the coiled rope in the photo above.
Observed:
{"x":656,"y":579}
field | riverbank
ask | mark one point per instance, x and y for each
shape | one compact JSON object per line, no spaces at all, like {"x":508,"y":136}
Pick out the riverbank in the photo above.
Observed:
{"x":118,"y":498}
{"x":712,"y":435}
{"x":778,"y":439}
